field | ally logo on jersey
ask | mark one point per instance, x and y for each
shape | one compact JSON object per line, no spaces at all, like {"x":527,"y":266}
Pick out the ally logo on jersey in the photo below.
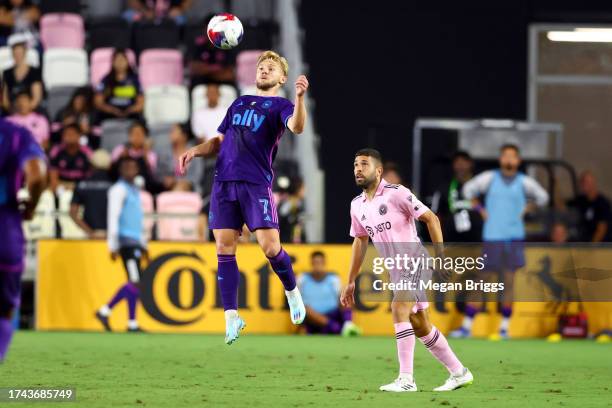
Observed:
{"x":250,"y":118}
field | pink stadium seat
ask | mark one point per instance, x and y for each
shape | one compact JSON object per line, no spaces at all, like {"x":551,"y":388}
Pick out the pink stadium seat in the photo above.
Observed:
{"x":246,"y":64}
{"x":101,"y":60}
{"x":62,"y":30}
{"x":161,"y":67}
{"x":146,"y":200}
{"x":177,"y":202}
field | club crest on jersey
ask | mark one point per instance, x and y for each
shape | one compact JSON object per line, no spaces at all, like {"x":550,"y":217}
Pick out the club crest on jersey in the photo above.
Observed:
{"x":249,"y":119}
{"x":382,"y":210}
{"x":266,"y":104}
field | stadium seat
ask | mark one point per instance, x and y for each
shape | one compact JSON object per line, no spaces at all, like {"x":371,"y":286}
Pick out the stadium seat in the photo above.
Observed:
{"x":159,"y":136}
{"x":259,"y":35}
{"x":70,"y":230}
{"x":246,"y":64}
{"x":100,"y":63}
{"x":64,"y":67}
{"x":175,"y":228}
{"x":60,"y":6}
{"x":6,"y":58}
{"x":165,"y":34}
{"x":160,"y":67}
{"x":166,"y":104}
{"x":146,"y":200}
{"x":201,"y":9}
{"x":62,"y":30}
{"x":58,"y":98}
{"x":105,"y":8}
{"x":114,"y":133}
{"x":43,"y":224}
{"x":198,"y":96}
{"x":109,"y":32}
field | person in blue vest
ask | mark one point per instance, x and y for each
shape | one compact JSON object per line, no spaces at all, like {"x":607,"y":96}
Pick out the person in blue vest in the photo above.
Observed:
{"x":126,"y":239}
{"x":503,"y":196}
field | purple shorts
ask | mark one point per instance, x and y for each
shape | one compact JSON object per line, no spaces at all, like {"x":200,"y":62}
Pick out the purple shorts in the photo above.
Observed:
{"x":234,"y":203}
{"x":10,"y":291}
{"x":503,"y":256}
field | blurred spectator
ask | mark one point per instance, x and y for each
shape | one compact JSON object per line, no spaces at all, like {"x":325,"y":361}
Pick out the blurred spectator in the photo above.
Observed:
{"x":168,"y":167}
{"x":391,"y":173}
{"x":138,"y":147}
{"x":594,"y":210}
{"x":291,"y":213}
{"x":320,"y":291}
{"x":119,"y":94}
{"x":79,"y":111}
{"x":206,"y":120}
{"x":21,"y":77}
{"x":460,"y":223}
{"x":18,"y":16}
{"x":559,"y":233}
{"x":34,"y":122}
{"x":90,"y":195}
{"x":142,"y":10}
{"x":208,"y":64}
{"x":69,"y":161}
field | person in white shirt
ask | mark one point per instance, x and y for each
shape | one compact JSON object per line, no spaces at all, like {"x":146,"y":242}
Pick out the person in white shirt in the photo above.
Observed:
{"x":206,"y":120}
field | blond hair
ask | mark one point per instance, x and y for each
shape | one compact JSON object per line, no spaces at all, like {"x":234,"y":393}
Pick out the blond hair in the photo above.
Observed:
{"x":274,"y":56}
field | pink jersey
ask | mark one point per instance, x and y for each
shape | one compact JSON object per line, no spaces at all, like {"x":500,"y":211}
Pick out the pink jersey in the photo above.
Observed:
{"x":389,"y":216}
{"x":389,"y":220}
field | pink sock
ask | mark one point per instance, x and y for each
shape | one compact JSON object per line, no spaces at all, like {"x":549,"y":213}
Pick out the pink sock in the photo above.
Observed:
{"x":405,"y":346}
{"x":438,"y":346}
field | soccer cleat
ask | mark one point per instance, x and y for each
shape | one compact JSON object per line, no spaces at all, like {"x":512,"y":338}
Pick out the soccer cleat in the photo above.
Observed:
{"x":460,"y":333}
{"x":135,"y":330}
{"x":350,"y":329}
{"x":457,"y":381}
{"x":104,"y":320}
{"x":233,"y":326}
{"x":296,"y":306}
{"x":400,"y":385}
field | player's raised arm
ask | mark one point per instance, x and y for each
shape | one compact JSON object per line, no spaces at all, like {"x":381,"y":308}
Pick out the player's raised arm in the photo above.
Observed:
{"x":297,"y":121}
{"x":209,"y":148}
{"x":358,"y":251}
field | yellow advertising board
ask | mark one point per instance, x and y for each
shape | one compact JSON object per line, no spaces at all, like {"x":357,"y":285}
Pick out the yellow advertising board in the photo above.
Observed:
{"x":179,"y":292}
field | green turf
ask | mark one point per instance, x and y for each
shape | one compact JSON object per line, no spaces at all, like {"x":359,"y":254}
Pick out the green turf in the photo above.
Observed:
{"x":137,"y":370}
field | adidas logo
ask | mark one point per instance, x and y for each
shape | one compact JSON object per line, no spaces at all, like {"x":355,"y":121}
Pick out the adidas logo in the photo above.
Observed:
{"x":363,"y":218}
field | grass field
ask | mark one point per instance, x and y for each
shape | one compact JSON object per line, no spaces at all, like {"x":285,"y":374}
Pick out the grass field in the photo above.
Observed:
{"x":156,"y":370}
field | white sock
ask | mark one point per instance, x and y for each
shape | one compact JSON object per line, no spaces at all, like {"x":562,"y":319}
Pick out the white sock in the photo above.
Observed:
{"x":467,"y":323}
{"x":104,"y":311}
{"x":295,"y":292}
{"x":505,"y":324}
{"x":406,"y":376}
{"x":231,"y":314}
{"x":459,"y":372}
{"x":132,"y":324}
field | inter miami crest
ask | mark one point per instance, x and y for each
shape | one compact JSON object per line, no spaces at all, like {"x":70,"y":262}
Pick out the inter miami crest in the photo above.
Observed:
{"x":382,"y":210}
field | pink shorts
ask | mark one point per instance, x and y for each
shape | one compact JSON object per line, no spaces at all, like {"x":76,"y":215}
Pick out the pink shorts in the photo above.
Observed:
{"x":418,"y":306}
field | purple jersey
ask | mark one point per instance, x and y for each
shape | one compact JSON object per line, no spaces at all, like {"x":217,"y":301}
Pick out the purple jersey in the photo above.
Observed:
{"x":17,"y":146}
{"x":252,"y":127}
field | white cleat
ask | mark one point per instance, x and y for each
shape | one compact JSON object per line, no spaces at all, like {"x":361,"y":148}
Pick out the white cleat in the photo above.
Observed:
{"x":296,"y":306}
{"x":457,"y":381}
{"x":233,"y":326}
{"x":400,"y":385}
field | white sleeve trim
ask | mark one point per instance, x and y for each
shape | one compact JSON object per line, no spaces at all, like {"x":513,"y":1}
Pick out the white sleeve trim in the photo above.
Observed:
{"x":478,"y":185}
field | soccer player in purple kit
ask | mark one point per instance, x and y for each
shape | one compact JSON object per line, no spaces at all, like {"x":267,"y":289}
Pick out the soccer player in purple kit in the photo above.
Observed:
{"x":242,"y":191}
{"x":20,"y":156}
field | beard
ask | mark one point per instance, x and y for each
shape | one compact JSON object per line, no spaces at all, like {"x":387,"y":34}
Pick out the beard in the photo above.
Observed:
{"x":264,"y":86}
{"x":365,"y":182}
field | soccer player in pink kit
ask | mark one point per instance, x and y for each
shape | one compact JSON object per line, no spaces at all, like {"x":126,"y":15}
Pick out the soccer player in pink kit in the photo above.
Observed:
{"x":386,"y":213}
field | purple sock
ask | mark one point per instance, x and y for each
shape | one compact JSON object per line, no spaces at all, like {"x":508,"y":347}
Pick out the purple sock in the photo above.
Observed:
{"x":121,"y":294}
{"x":281,"y":263}
{"x":332,"y":327}
{"x":229,"y":279}
{"x":506,"y":311}
{"x":132,"y":299}
{"x":470,"y":311}
{"x":6,"y":332}
{"x":347,"y":315}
